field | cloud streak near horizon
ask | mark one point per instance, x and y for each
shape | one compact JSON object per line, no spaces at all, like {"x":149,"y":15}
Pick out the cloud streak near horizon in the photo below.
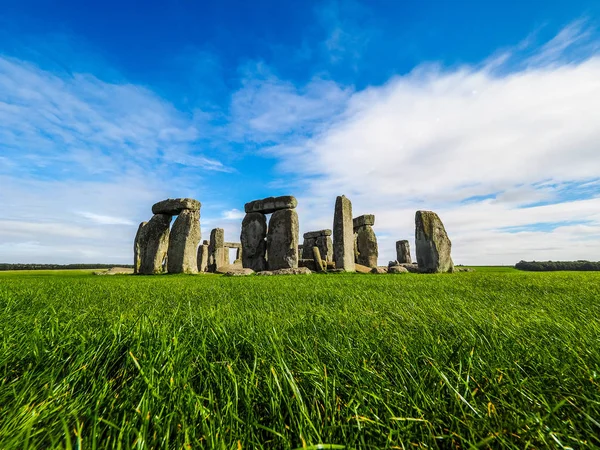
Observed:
{"x":505,"y":151}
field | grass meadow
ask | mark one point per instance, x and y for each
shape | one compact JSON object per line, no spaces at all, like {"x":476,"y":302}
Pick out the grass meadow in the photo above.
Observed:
{"x":490,"y":359}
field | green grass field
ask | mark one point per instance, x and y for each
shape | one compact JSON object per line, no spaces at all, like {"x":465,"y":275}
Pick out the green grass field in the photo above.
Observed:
{"x":493,"y":358}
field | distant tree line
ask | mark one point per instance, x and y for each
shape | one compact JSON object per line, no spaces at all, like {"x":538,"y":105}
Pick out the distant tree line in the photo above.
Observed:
{"x":548,"y":266}
{"x":5,"y":266}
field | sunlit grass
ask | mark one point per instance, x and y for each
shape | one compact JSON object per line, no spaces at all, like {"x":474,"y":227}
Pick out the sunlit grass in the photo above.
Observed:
{"x":490,"y":359}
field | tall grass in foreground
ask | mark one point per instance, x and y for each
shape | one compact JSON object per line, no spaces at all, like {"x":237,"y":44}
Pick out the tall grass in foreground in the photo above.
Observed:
{"x":394,"y":361}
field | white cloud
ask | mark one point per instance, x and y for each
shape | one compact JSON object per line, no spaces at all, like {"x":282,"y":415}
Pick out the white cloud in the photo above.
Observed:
{"x":435,"y":137}
{"x":233,"y":214}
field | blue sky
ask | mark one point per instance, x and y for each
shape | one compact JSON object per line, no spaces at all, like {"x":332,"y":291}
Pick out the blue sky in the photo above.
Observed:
{"x":485,"y":112}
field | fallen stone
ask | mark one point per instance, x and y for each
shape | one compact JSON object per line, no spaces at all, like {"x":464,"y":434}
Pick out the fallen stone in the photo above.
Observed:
{"x":271,"y":204}
{"x":393,"y":263}
{"x":343,"y":235}
{"x":366,"y":246}
{"x":463,"y":269}
{"x":265,"y":273}
{"x":403,"y":252}
{"x":362,"y":269}
{"x":282,"y":240}
{"x":229,"y":268}
{"x":137,"y":251}
{"x":154,"y":242}
{"x":292,"y":271}
{"x":412,"y":267}
{"x":397,"y":269}
{"x":379,"y":270}
{"x":320,"y":266}
{"x":253,"y":239}
{"x":363,"y":221}
{"x":239,"y":272}
{"x":174,"y":206}
{"x":433,"y":246}
{"x":115,"y":271}
{"x":182,"y":255}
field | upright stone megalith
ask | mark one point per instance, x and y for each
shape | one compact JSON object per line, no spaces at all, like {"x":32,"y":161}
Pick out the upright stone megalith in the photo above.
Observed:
{"x":137,"y":250}
{"x":183,"y":243}
{"x":202,"y":259}
{"x":432,"y":243}
{"x":282,"y":240}
{"x":253,"y":239}
{"x":321,"y":239}
{"x":366,"y":249}
{"x":403,"y":252}
{"x":343,"y":235}
{"x":154,"y":242}
{"x":217,"y":254}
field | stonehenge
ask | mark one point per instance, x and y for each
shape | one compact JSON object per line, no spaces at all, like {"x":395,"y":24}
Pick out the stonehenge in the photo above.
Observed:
{"x":366,"y":250}
{"x":183,"y":243}
{"x":403,"y":252}
{"x":271,"y":245}
{"x":253,"y":240}
{"x":158,"y":249}
{"x":153,"y":242}
{"x":320,"y":239}
{"x":276,"y":246}
{"x":432,"y":244}
{"x":343,"y":235}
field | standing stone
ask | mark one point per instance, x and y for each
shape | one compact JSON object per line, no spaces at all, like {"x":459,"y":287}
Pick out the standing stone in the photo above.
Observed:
{"x":253,"y":239}
{"x":403,"y":252}
{"x":217,"y":253}
{"x":202,"y":259}
{"x":343,"y":235}
{"x":366,"y":246}
{"x":282,"y":240}
{"x":325,"y":245}
{"x":433,"y":244}
{"x":183,"y":243}
{"x":154,"y":242}
{"x":137,"y":251}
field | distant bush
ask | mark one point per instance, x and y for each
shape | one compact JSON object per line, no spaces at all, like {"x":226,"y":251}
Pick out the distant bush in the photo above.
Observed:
{"x":548,"y":266}
{"x":4,"y":266}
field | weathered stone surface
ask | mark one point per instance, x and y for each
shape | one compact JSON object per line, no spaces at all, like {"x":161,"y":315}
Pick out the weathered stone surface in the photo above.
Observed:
{"x":137,"y":251}
{"x":432,"y":242}
{"x":397,"y":269}
{"x":366,"y":246}
{"x":316,"y":234}
{"x":202,"y":259}
{"x":321,"y":239}
{"x":282,"y":240}
{"x":205,"y":242}
{"x":253,"y":239}
{"x":379,"y":270}
{"x":182,"y":256}
{"x":343,"y":235}
{"x":320,"y":265}
{"x":271,"y":204}
{"x":174,"y":206}
{"x":241,"y":272}
{"x":393,"y":263}
{"x":363,"y":221}
{"x":232,"y":245}
{"x":412,"y":268}
{"x":291,"y":271}
{"x":362,"y":269}
{"x":218,"y":255}
{"x":403,"y":252}
{"x":308,"y":263}
{"x":154,"y":242}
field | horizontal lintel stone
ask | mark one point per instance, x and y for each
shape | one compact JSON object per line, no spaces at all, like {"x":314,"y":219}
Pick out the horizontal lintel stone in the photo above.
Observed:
{"x":173,"y":206}
{"x":364,"y":220}
{"x":316,"y":234}
{"x":271,"y":204}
